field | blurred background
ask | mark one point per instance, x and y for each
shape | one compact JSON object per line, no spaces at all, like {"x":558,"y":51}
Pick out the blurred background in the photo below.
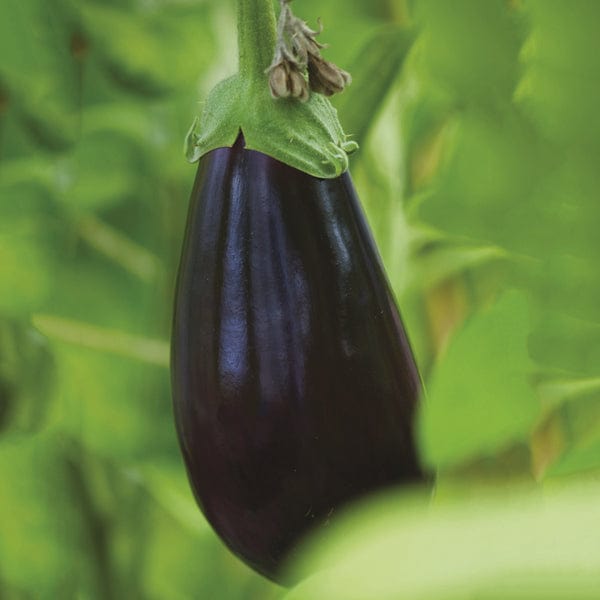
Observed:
{"x":479,"y":171}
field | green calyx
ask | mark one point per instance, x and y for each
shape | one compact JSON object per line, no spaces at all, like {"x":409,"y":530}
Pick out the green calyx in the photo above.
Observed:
{"x":305,"y":135}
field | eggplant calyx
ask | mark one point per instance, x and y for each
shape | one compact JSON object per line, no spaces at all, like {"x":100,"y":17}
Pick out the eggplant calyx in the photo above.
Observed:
{"x":305,"y":135}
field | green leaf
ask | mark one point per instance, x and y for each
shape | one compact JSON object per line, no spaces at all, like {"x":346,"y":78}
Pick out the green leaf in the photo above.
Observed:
{"x":374,"y":72}
{"x":471,"y":48}
{"x":150,"y":52}
{"x":582,"y":458}
{"x":556,"y":391}
{"x":485,"y":189}
{"x":479,"y":400}
{"x":184,"y":558}
{"x":568,"y":284}
{"x":560,"y":90}
{"x":581,"y":424}
{"x":493,"y":547}
{"x":90,"y":187}
{"x":440,"y":259}
{"x":37,"y":70}
{"x":41,"y":526}
{"x":563,"y":342}
{"x":117,"y":407}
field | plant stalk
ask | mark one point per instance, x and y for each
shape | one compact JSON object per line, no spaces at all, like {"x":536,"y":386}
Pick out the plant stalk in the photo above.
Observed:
{"x":256,"y":37}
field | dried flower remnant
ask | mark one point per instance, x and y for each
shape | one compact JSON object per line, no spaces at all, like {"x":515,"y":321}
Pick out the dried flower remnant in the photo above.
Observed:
{"x":286,"y":80}
{"x":298,"y":55}
{"x":326,"y":78}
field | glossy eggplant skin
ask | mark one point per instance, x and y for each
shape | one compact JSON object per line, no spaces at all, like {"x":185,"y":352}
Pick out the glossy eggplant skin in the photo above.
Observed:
{"x":293,"y":381}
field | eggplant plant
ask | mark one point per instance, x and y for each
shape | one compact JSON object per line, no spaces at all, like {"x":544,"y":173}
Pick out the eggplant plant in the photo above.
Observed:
{"x":294,"y":384}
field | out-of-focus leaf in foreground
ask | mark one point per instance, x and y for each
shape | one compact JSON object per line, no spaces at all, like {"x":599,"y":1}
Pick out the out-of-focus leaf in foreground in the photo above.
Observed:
{"x":530,"y":546}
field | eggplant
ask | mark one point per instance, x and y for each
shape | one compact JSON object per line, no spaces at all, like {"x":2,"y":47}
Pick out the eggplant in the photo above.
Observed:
{"x":294,"y":385}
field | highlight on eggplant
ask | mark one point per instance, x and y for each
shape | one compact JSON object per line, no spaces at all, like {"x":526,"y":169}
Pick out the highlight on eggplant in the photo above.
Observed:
{"x":294,"y":384}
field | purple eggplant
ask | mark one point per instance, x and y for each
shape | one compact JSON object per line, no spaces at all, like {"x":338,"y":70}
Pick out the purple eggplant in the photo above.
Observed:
{"x":294,"y":384}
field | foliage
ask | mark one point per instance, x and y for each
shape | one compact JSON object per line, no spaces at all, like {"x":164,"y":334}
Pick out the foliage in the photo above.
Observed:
{"x":478,"y":170}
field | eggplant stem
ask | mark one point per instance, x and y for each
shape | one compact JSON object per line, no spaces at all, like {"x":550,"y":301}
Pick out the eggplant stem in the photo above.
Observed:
{"x":256,"y":38}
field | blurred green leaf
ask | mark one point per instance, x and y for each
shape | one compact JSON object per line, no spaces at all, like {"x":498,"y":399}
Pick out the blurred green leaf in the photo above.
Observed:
{"x":479,"y":400}
{"x":471,"y":47}
{"x":41,"y":528}
{"x":106,"y":170}
{"x":492,"y":203}
{"x":580,"y":418}
{"x":583,"y":458}
{"x":492,"y":547}
{"x":37,"y":70}
{"x":182,"y":563}
{"x":438,"y":260}
{"x":103,"y":393}
{"x":566,"y":343}
{"x":143,"y":52}
{"x":561,"y":87}
{"x":374,"y":72}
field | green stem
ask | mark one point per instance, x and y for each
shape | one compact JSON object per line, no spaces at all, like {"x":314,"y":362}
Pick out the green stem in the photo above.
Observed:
{"x":256,"y":37}
{"x":113,"y":341}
